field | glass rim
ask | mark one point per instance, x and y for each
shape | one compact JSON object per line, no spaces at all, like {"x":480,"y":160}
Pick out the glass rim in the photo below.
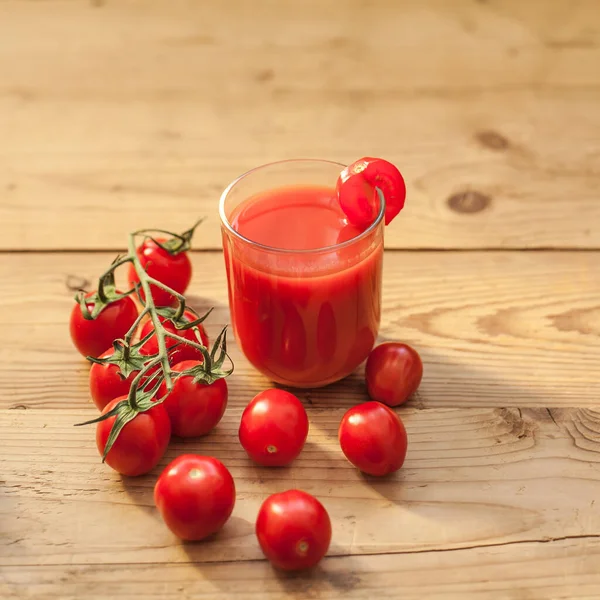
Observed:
{"x":345,"y":244}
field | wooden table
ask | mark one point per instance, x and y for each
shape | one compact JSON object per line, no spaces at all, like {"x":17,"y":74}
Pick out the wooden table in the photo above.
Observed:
{"x":118,"y":115}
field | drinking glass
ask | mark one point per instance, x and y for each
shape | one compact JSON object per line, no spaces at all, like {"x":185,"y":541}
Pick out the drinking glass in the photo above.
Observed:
{"x":303,"y":318}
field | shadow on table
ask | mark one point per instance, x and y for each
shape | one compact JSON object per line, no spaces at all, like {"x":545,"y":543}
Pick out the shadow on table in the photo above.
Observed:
{"x":332,"y":576}
{"x":141,"y":490}
{"x":446,"y":383}
{"x":327,"y":576}
{"x":451,"y":385}
{"x":236,"y":527}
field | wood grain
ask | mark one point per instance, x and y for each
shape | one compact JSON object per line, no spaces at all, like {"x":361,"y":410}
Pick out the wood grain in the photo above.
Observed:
{"x":494,"y":329}
{"x":472,"y":478}
{"x":564,"y":569}
{"x":110,"y":114}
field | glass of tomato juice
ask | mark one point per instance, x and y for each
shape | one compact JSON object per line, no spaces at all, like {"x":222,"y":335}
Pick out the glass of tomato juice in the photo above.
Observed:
{"x":304,"y":284}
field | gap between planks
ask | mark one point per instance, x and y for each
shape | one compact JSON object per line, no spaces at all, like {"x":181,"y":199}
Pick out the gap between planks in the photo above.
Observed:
{"x":327,"y":557}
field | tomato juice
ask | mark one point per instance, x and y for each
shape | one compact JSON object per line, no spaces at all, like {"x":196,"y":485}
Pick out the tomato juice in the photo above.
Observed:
{"x":304,"y":285}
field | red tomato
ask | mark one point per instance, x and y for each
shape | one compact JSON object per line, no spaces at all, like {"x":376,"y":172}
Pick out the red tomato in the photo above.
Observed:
{"x":175,"y":271}
{"x":373,"y":438}
{"x":195,"y":496}
{"x":93,"y":337}
{"x":274,"y":427}
{"x":141,"y":443}
{"x":182,"y":351}
{"x":194,"y":408}
{"x":393,"y":373}
{"x":106,"y":384}
{"x":356,"y":190}
{"x":293,"y":530}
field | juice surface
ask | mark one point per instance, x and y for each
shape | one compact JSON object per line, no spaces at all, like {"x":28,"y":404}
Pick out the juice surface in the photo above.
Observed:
{"x":296,"y":325}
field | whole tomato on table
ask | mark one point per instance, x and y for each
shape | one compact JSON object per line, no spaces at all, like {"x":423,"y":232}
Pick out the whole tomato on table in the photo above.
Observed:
{"x":293,"y":530}
{"x":393,"y":373}
{"x":373,"y":438}
{"x":195,"y":496}
{"x":273,"y":428}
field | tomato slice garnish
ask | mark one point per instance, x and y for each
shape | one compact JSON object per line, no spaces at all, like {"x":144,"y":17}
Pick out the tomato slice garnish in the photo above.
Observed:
{"x":357,"y":195}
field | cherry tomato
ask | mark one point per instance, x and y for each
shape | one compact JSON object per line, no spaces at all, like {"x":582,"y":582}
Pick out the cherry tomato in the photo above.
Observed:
{"x":93,"y":337}
{"x":293,"y":530}
{"x":106,"y":384}
{"x":195,"y":496}
{"x":141,"y":443}
{"x":356,"y":190}
{"x":393,"y":373}
{"x":182,"y":351}
{"x":373,"y":438}
{"x":175,"y":271}
{"x":194,"y":408}
{"x":274,"y":427}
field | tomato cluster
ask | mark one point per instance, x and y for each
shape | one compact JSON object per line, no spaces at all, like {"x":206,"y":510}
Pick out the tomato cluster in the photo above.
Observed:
{"x":103,"y":324}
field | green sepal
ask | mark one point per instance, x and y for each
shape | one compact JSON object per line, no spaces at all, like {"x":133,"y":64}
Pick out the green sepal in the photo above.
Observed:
{"x":127,"y":358}
{"x":211,"y":369}
{"x":177,"y":242}
{"x":111,"y":413}
{"x":125,"y":414}
{"x":173,"y":314}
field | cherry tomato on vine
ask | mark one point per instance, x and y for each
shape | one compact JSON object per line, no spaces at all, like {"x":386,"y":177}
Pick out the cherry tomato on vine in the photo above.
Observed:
{"x":95,"y":336}
{"x":195,"y":496}
{"x":393,"y":373}
{"x":182,"y":351}
{"x":358,"y":197}
{"x":106,"y":384}
{"x":174,"y":270}
{"x":373,"y":438}
{"x":274,"y":428}
{"x":293,"y":530}
{"x":194,"y":408}
{"x":141,"y":443}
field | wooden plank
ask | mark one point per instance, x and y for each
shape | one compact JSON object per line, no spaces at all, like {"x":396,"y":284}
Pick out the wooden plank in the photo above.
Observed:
{"x":534,"y":571}
{"x":120,"y":111}
{"x":472,"y":477}
{"x":494,"y":329}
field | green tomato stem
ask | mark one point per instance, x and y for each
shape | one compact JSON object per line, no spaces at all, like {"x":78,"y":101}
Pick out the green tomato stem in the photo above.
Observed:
{"x":135,"y":325}
{"x":151,"y":310}
{"x":132,"y":397}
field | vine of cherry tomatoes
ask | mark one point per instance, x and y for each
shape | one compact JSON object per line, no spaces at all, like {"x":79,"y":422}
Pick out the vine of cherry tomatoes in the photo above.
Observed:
{"x":153,"y":376}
